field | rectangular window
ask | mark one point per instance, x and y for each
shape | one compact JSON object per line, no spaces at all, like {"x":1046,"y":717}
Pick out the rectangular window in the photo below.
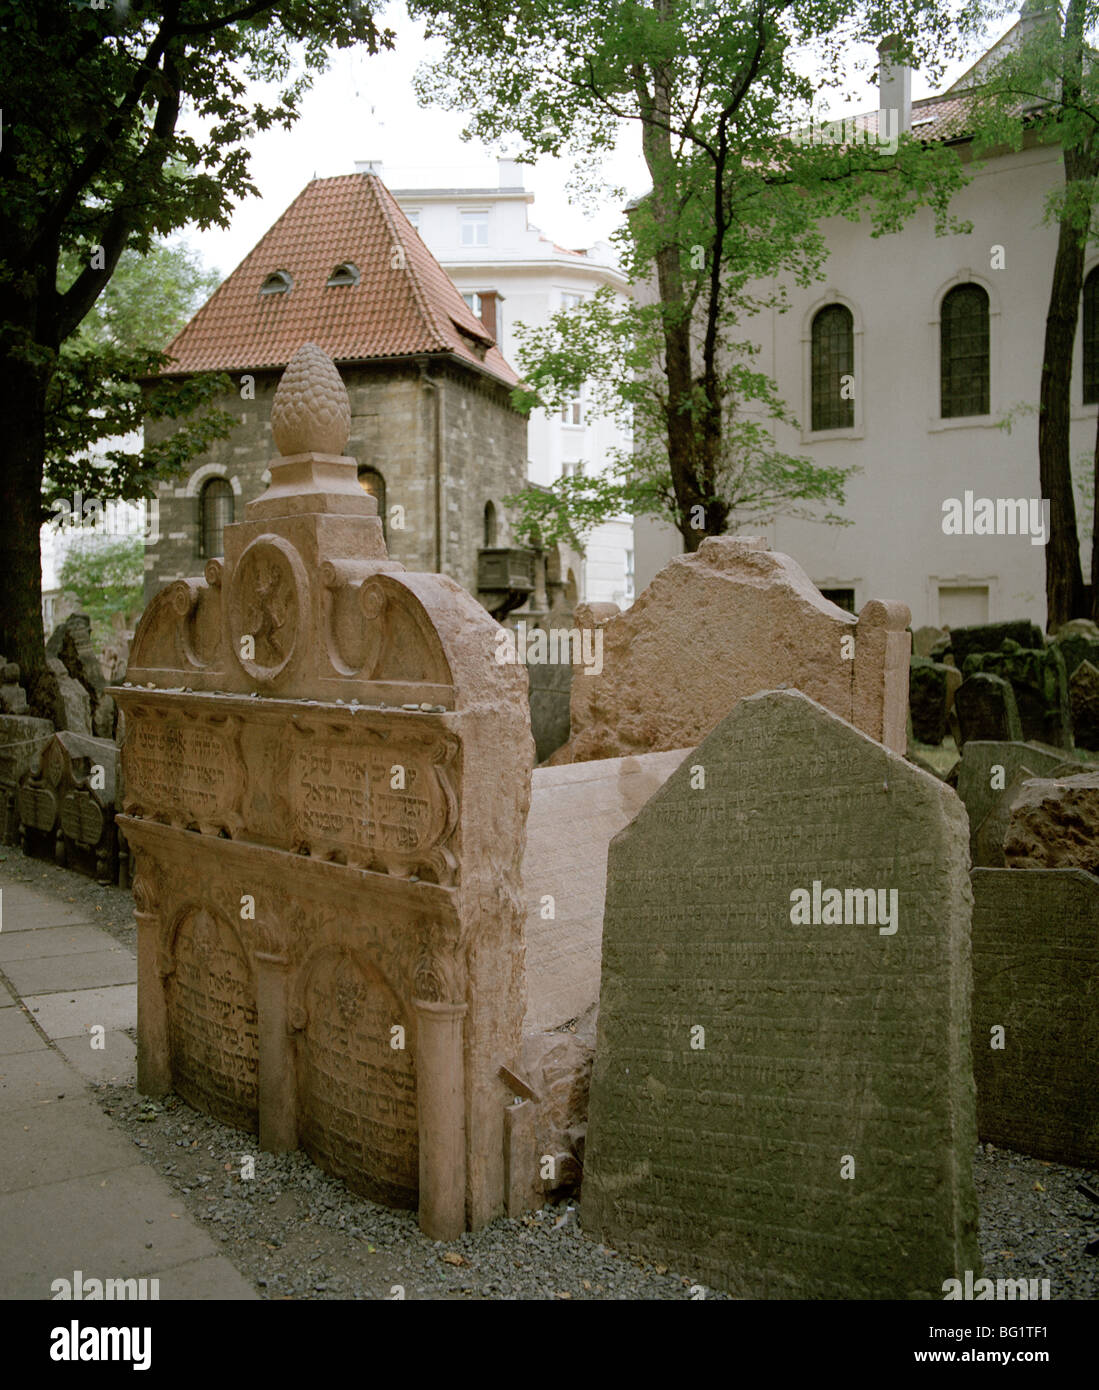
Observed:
{"x":842,"y":598}
{"x":473,"y":302}
{"x":474,"y":228}
{"x":570,"y":300}
{"x":414,"y":217}
{"x":963,"y":605}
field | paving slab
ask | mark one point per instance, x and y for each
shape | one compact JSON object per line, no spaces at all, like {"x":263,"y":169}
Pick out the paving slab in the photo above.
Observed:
{"x":27,"y":1078}
{"x":81,"y":971}
{"x":115,"y":1061}
{"x":69,"y":1014}
{"x":33,"y":911}
{"x":121,"y":1224}
{"x":212,"y":1277}
{"x":72,"y":1138}
{"x":54,"y":941}
{"x":18,"y":1034}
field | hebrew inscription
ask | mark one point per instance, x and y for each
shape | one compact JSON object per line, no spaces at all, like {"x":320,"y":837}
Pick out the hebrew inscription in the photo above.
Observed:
{"x":183,"y":772}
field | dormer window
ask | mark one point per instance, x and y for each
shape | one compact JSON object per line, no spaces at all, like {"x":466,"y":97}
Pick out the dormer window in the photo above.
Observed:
{"x":345,"y":274}
{"x":278,"y":282}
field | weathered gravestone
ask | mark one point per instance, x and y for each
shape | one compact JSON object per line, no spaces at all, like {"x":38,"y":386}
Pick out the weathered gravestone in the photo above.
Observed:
{"x":728,"y":621}
{"x":929,"y":698}
{"x":22,"y":739}
{"x":1077,"y":641}
{"x":1035,"y":1014}
{"x":1083,"y":693}
{"x":989,"y":777}
{"x":1040,"y":686}
{"x":1054,"y":823}
{"x":782,"y":1098}
{"x":986,"y":710}
{"x":991,"y":637}
{"x":67,"y":803}
{"x":327,"y":830}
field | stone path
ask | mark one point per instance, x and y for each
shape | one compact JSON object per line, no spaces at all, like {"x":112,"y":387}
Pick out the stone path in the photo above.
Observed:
{"x":75,"y":1193}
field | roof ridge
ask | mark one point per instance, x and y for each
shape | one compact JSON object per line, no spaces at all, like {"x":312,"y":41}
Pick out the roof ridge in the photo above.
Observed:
{"x":420,"y":297}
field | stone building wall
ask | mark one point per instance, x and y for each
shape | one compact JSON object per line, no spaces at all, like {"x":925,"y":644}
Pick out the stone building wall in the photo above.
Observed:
{"x":393,"y":429}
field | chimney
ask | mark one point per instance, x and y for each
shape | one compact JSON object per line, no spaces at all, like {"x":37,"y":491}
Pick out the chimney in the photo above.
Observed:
{"x":510,"y":172}
{"x":368,"y":166}
{"x":489,"y":300}
{"x":894,"y":89}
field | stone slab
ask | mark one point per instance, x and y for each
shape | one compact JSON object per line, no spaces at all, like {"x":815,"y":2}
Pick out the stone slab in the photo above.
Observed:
{"x":70,"y":1014}
{"x":725,"y":622}
{"x":36,"y":1077}
{"x":575,"y":812}
{"x":52,"y":941}
{"x":827,"y":1049}
{"x":1036,"y":976}
{"x":68,"y":1139}
{"x":978,"y":771}
{"x":211,"y":1278}
{"x":18,"y":1034}
{"x":115,"y":1061}
{"x":100,"y":1224}
{"x":113,"y":965}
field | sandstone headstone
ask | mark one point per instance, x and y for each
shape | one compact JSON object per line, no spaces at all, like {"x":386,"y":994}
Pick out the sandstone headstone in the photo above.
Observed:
{"x":1083,"y":693}
{"x":575,"y":812}
{"x":1035,"y":1023}
{"x":728,"y":621}
{"x":929,"y":699}
{"x":1040,"y":687}
{"x":326,"y":775}
{"x":747,"y":1059}
{"x":924,"y":639}
{"x":987,"y":770}
{"x":22,"y":739}
{"x":1055,"y":824}
{"x":986,"y":710}
{"x":992,"y":637}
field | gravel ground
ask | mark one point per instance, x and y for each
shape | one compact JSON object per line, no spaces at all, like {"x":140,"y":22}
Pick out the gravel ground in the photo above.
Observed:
{"x":294,"y":1232}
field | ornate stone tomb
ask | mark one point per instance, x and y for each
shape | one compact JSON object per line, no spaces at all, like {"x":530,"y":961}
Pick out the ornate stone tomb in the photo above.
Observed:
{"x":782,"y":1097}
{"x":327,"y":774}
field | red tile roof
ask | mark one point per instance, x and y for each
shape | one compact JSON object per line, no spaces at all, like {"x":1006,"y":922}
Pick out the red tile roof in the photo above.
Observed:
{"x":395,"y":310}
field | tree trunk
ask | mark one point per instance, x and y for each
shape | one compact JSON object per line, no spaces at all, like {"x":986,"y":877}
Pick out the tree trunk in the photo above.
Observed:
{"x":1064,"y":576}
{"x":23,"y":411}
{"x":1095,"y":529}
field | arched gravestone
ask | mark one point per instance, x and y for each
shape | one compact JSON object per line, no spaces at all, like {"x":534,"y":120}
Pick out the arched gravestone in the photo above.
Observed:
{"x":782,"y":1103}
{"x":327,"y":773}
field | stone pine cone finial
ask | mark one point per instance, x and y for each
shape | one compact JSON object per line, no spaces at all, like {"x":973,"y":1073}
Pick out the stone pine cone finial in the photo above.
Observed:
{"x":311,"y":413}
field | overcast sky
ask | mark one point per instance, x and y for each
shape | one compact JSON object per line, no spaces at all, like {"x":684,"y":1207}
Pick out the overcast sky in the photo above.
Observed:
{"x":365,"y":108}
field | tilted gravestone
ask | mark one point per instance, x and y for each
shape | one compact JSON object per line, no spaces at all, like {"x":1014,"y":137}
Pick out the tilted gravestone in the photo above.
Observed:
{"x":326,"y":775}
{"x":1040,"y":687}
{"x":986,"y":710}
{"x":1035,"y":1021}
{"x":989,"y":777}
{"x":782,"y":1096}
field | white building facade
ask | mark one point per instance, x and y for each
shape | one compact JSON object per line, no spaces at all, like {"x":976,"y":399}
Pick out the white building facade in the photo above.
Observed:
{"x":509,"y":273}
{"x":941,"y":339}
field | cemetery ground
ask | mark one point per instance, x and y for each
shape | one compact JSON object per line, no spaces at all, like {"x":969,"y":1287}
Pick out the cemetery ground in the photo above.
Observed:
{"x":294,"y":1232}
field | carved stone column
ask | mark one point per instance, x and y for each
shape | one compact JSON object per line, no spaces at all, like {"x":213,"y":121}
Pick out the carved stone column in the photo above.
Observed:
{"x":440,"y":1091}
{"x":278,"y":1088}
{"x":154,"y":1062}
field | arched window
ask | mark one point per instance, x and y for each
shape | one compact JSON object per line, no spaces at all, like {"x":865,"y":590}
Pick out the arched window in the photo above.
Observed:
{"x":372,"y":482}
{"x":1091,"y":338}
{"x":215,"y":512}
{"x":278,"y":282}
{"x":345,"y":274}
{"x":490,"y":525}
{"x":833,"y":358}
{"x":963,"y":352}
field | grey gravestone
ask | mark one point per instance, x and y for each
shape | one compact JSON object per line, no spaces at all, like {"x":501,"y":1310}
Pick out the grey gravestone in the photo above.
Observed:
{"x":990,"y":637}
{"x":1083,"y":689}
{"x":550,"y":691}
{"x":723,"y":1152}
{"x":1036,"y":976}
{"x":988,"y":770}
{"x":929,"y":699}
{"x":1039,"y":684}
{"x":986,"y":709}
